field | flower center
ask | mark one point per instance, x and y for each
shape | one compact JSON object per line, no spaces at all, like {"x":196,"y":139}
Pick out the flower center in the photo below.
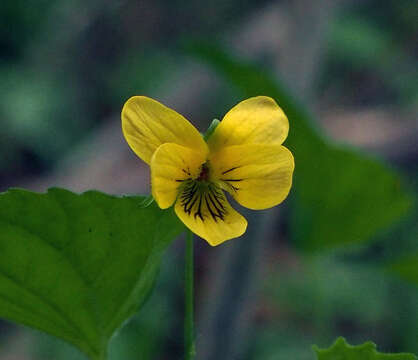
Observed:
{"x":203,"y":199}
{"x":204,"y":173}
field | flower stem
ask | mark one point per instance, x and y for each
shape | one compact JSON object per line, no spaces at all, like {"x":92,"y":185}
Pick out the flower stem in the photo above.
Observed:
{"x":189,"y":345}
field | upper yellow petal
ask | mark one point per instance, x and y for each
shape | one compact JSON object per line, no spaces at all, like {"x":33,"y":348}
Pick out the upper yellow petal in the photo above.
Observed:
{"x":147,"y":124}
{"x":209,"y":214}
{"x":257,"y":176}
{"x":171,"y":165}
{"x":257,"y":120}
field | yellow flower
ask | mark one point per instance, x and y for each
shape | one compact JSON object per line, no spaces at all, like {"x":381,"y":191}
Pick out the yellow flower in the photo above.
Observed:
{"x":243,"y":157}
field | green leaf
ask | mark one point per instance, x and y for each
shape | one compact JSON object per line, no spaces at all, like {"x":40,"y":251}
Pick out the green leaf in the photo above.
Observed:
{"x":340,"y":350}
{"x":78,"y":266}
{"x":406,"y":267}
{"x":340,"y":196}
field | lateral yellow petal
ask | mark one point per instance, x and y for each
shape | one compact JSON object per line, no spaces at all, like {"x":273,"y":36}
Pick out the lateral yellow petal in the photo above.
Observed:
{"x":257,"y":176}
{"x":209,"y":214}
{"x":171,"y":165}
{"x":147,"y":124}
{"x":257,"y":120}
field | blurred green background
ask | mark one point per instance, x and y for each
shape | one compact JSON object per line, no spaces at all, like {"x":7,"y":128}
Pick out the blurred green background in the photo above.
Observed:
{"x":66,"y":68}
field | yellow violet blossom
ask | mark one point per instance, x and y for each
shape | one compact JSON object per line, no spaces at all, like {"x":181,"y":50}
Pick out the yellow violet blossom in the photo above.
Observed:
{"x":243,"y":156}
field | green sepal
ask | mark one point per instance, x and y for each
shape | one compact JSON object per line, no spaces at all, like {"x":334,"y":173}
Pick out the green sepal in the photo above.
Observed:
{"x":211,"y":129}
{"x":147,"y":201}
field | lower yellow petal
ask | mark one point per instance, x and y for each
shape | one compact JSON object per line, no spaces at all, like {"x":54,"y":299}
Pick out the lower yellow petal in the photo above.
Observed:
{"x":257,"y":176}
{"x":204,"y":209}
{"x":171,"y":165}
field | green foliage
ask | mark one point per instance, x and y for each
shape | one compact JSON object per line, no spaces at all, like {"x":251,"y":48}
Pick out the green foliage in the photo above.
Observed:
{"x":334,"y":188}
{"x":407,"y":268}
{"x":401,"y":257}
{"x":366,"y":47}
{"x":340,"y":350}
{"x":78,"y":266}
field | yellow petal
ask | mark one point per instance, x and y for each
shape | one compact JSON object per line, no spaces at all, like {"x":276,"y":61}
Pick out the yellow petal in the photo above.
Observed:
{"x":258,"y":120}
{"x":171,"y":165}
{"x":147,"y":124}
{"x":208,"y":214}
{"x":257,"y":176}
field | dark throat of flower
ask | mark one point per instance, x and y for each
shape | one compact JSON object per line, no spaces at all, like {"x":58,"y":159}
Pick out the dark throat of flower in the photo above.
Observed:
{"x":202,"y":198}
